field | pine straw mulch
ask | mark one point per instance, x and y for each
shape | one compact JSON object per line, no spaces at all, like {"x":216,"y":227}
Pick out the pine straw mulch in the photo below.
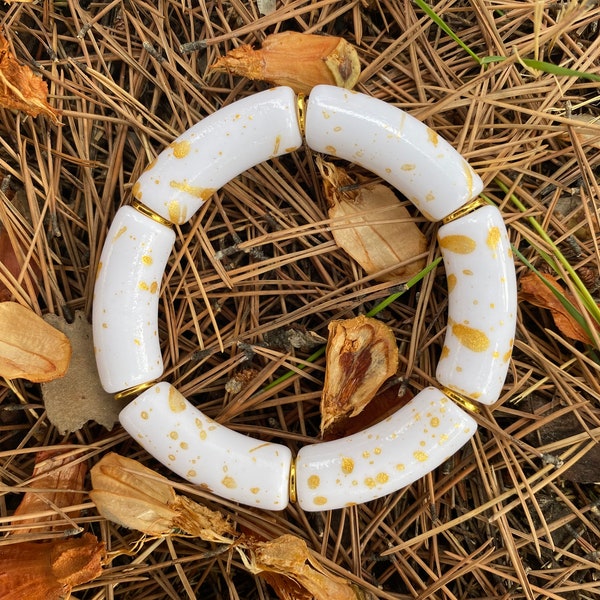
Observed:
{"x":516,"y":512}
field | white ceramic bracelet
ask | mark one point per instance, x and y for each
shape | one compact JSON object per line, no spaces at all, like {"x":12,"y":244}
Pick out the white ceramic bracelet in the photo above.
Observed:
{"x":385,"y":457}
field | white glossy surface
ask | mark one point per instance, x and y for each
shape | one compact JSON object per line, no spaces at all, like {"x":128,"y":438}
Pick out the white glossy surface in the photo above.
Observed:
{"x":392,"y":144}
{"x":385,"y":457}
{"x":217,"y":149}
{"x":482,"y":308}
{"x":125,"y":310}
{"x":231,"y":465}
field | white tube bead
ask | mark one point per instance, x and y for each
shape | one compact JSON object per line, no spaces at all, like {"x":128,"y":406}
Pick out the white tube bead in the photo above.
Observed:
{"x":225,"y":462}
{"x":392,"y":144}
{"x":385,"y":457}
{"x":125,"y":310}
{"x":482,"y":305}
{"x":217,"y":149}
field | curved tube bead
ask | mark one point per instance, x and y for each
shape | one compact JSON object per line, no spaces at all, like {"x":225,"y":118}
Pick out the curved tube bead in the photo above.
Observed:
{"x":392,"y":144}
{"x":482,"y":305}
{"x":126,"y":294}
{"x":185,"y":440}
{"x":385,"y":457}
{"x":217,"y":149}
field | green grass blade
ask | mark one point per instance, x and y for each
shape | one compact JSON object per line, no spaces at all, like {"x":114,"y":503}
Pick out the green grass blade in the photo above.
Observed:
{"x":584,"y":294}
{"x":442,"y":25}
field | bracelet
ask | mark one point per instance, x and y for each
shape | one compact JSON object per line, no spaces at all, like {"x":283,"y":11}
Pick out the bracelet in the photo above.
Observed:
{"x":481,"y":301}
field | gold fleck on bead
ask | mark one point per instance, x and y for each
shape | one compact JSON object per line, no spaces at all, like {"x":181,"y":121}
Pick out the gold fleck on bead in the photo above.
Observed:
{"x":134,"y":390}
{"x":460,"y":400}
{"x":176,"y":401}
{"x":229,"y":482}
{"x":314,"y":481}
{"x":459,"y":244}
{"x":473,"y":339}
{"x":148,"y":212}
{"x":467,"y":208}
{"x":347,"y":465}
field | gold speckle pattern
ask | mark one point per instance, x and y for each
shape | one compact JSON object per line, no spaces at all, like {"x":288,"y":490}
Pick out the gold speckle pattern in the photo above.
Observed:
{"x":347,"y":465}
{"x":433,"y":137}
{"x":493,"y":239}
{"x":177,"y":403}
{"x":181,"y":149}
{"x":229,"y":482}
{"x":473,"y":339}
{"x":320,"y":500}
{"x":384,"y":457}
{"x":459,"y":244}
{"x":313,"y":482}
{"x":451,"y":281}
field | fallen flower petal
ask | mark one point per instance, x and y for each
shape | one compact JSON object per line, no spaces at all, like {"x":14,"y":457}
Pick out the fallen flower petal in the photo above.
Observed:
{"x":298,"y":60}
{"x":29,"y":347}
{"x":132,"y":495}
{"x":49,"y":570}
{"x":20,"y":88}
{"x":361,"y":354}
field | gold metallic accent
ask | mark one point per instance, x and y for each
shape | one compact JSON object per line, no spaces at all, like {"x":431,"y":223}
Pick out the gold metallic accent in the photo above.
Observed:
{"x":134,"y":390}
{"x":301,"y":112}
{"x":292,"y":482}
{"x":148,"y":212}
{"x":462,"y":401}
{"x":465,"y":209}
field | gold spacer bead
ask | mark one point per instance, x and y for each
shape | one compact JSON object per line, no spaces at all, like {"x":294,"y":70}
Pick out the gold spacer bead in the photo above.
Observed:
{"x":301,"y":112}
{"x":148,"y":212}
{"x":465,"y":209}
{"x":462,"y":401}
{"x":134,"y":390}
{"x":292,"y":482}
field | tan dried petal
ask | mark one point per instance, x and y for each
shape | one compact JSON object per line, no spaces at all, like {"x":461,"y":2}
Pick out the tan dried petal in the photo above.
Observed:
{"x":287,"y":564}
{"x":49,"y":570}
{"x":298,"y":60}
{"x":134,"y":496}
{"x":371,"y":225}
{"x":29,"y":347}
{"x":59,"y":477}
{"x":361,"y":355}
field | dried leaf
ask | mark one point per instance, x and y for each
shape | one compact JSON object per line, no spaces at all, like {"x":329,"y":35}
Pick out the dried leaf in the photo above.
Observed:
{"x":20,"y":88}
{"x":534,"y":291}
{"x":29,"y":347}
{"x":372,"y":226}
{"x":266,"y":7}
{"x":588,"y":131}
{"x":361,"y":354}
{"x":12,"y":262}
{"x":78,"y":397}
{"x":575,"y":216}
{"x":49,"y":570}
{"x":59,"y":477}
{"x":130,"y":494}
{"x":298,"y":60}
{"x":293,"y":572}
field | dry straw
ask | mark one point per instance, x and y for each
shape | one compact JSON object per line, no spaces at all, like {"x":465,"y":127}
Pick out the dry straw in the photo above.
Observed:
{"x":515,"y":514}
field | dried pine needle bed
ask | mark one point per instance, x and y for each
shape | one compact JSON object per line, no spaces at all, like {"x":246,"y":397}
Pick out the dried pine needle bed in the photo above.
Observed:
{"x":256,"y":278}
